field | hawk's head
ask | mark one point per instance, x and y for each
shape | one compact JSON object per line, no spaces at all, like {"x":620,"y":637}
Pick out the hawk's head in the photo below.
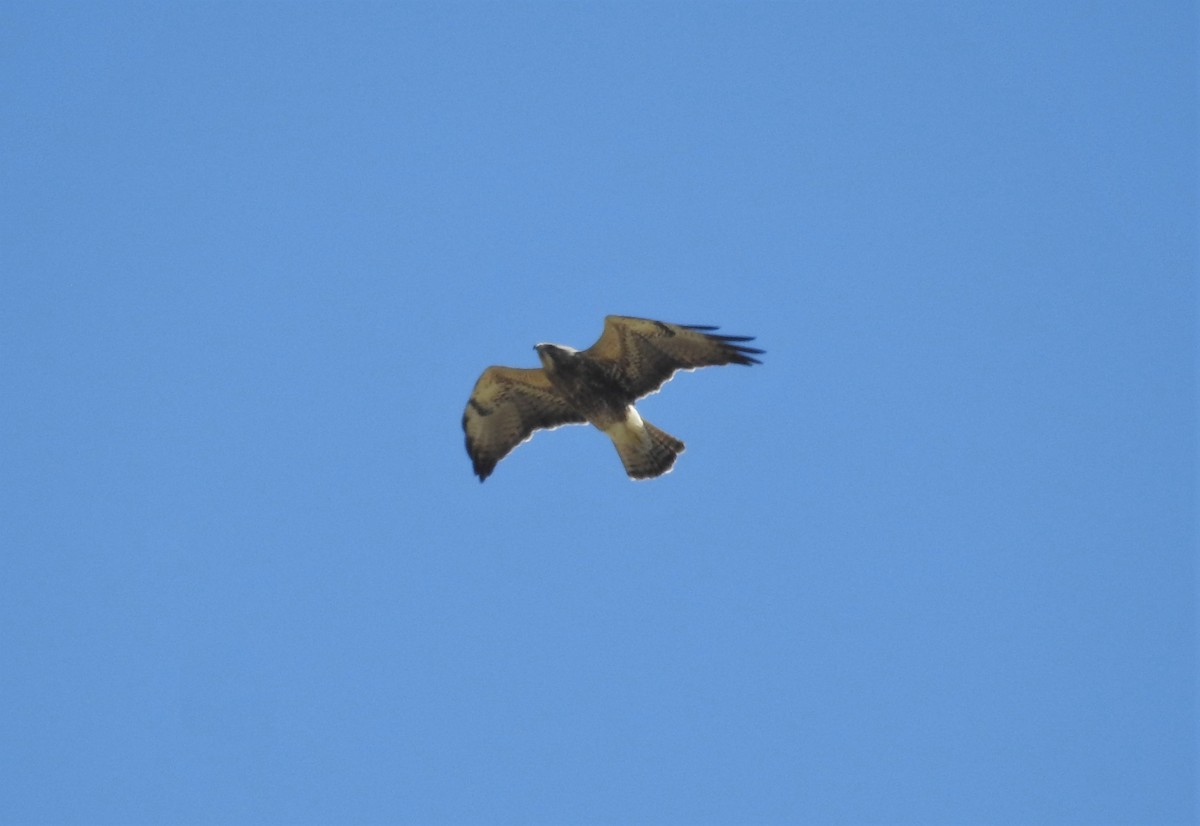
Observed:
{"x":554,"y":355}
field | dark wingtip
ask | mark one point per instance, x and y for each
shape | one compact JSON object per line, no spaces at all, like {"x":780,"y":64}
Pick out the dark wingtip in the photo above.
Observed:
{"x":739,"y":353}
{"x":732,"y":342}
{"x":750,"y":352}
{"x":481,"y":469}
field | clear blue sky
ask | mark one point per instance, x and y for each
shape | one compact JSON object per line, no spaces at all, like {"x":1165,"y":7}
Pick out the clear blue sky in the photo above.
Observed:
{"x":934,"y":562}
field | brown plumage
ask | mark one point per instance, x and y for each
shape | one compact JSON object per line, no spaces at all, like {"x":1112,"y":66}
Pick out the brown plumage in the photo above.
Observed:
{"x":632,"y":358}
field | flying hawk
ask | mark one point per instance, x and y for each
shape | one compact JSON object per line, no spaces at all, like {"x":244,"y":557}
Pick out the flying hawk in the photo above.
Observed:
{"x":633,"y":358}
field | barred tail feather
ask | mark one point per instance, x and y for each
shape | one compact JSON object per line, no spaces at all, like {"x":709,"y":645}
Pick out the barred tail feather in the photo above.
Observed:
{"x":645,"y":450}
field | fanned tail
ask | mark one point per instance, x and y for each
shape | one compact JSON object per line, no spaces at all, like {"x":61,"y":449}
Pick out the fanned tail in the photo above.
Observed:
{"x":646,"y":451}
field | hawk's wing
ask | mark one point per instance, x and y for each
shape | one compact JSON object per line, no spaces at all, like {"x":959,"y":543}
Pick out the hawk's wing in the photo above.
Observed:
{"x":646,"y":353}
{"x":505,"y":407}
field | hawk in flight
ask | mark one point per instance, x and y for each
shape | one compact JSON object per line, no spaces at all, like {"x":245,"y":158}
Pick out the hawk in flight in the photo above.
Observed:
{"x":633,"y":358}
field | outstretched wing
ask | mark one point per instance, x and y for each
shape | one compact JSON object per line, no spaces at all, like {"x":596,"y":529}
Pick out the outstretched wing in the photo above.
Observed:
{"x":646,"y":353}
{"x":506,"y":406}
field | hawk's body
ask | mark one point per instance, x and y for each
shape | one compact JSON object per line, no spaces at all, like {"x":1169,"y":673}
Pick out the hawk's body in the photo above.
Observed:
{"x":632,"y":358}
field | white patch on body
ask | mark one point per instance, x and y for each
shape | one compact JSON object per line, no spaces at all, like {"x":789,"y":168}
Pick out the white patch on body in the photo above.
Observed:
{"x":629,"y":431}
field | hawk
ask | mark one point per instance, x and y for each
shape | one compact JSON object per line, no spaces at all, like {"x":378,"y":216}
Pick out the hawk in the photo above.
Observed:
{"x":633,"y":358}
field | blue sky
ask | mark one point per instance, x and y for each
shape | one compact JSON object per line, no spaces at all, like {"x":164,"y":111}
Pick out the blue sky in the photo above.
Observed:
{"x":933,"y":562}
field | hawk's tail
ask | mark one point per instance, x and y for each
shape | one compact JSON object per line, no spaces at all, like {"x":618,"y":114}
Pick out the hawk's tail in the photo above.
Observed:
{"x":646,"y":451}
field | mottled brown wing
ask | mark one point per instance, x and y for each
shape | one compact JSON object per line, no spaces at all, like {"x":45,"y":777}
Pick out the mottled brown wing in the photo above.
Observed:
{"x":506,"y":406}
{"x":646,"y":353}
